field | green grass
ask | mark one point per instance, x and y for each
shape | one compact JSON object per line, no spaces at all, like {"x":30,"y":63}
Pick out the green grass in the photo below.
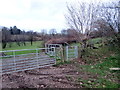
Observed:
{"x":74,"y":44}
{"x":36,"y":44}
{"x":98,"y":61}
{"x":14,"y":46}
{"x":101,"y":68}
{"x":95,"y":40}
{"x":105,"y":77}
{"x":97,"y":55}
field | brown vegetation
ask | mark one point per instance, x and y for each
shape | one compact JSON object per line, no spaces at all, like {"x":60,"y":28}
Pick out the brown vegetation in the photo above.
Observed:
{"x":61,"y":40}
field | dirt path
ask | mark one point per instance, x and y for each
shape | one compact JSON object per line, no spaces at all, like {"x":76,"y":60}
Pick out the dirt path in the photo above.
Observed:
{"x":62,"y":76}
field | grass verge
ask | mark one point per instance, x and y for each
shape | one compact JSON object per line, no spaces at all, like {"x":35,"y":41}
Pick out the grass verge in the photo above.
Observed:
{"x":98,"y":74}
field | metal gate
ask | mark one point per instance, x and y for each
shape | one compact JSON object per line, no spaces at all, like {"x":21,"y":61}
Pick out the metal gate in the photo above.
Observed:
{"x":26,"y":59}
{"x":58,"y":49}
{"x":71,"y":52}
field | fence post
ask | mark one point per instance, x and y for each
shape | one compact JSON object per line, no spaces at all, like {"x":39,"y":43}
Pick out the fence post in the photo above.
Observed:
{"x":62,"y":53}
{"x":76,"y":51}
{"x":37,"y":58}
{"x":54,"y":53}
{"x":46,"y":48}
{"x":67,"y":53}
{"x":14,"y":60}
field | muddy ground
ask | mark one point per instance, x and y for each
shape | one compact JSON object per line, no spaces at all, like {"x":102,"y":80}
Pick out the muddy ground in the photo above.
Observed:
{"x":62,"y":76}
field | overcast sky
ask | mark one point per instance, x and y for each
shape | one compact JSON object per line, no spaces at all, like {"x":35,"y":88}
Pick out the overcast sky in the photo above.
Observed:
{"x":34,"y":14}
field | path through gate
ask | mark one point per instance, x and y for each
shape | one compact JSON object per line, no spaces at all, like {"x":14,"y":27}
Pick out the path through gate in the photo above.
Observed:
{"x":58,"y":50}
{"x":64,"y":52}
{"x":26,"y":59}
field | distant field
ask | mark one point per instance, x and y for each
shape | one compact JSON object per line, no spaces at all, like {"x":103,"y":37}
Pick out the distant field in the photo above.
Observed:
{"x":14,"y":46}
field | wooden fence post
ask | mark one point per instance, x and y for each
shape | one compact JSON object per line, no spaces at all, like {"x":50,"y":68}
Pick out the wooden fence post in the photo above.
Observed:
{"x":79,"y":52}
{"x":76,"y":51}
{"x":46,"y":48}
{"x":54,"y":54}
{"x":62,"y":53}
{"x":66,"y":49}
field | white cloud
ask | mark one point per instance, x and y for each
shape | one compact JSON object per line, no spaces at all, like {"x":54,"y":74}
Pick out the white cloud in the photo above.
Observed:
{"x":33,"y":14}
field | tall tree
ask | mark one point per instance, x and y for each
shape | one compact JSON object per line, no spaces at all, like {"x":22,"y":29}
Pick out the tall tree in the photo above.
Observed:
{"x":31,"y":36}
{"x":44,"y":34}
{"x":53,"y":32}
{"x":119,"y":16}
{"x":64,"y":32}
{"x":81,"y":16}
{"x":103,"y":28}
{"x":15,"y":30}
{"x":110,"y":12}
{"x":6,"y":36}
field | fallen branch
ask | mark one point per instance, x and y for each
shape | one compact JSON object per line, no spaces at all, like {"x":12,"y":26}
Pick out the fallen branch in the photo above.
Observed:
{"x":114,"y":68}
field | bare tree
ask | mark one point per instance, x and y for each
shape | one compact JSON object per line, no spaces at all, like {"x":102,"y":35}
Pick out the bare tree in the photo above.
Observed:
{"x":53,"y":32}
{"x":110,"y":13}
{"x":119,"y":17}
{"x":31,"y":36}
{"x":44,"y":34}
{"x":64,"y":32}
{"x":81,"y":16}
{"x":103,"y":28}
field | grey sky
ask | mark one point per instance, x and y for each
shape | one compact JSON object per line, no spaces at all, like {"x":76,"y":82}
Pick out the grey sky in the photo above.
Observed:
{"x":34,"y":14}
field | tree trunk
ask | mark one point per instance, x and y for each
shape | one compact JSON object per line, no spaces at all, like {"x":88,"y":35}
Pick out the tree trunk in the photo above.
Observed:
{"x":4,"y":44}
{"x":31,"y":42}
{"x":18,"y":43}
{"x":24,"y":43}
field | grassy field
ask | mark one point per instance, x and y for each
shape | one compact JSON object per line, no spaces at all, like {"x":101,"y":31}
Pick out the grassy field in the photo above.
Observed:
{"x":100,"y":76}
{"x":97,"y":64}
{"x":14,"y":46}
